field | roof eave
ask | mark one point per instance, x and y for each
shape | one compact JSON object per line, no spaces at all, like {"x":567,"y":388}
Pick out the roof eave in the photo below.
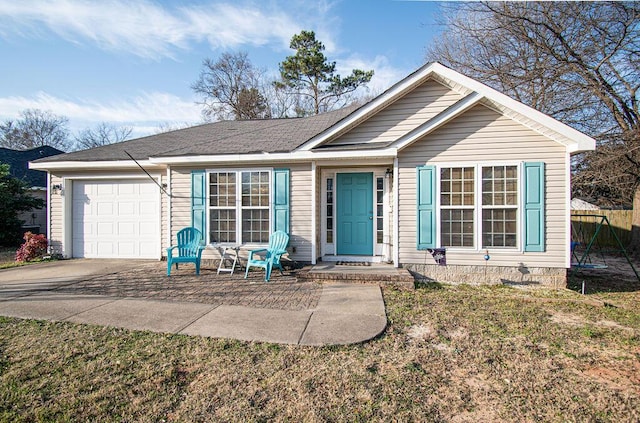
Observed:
{"x":275,"y":157}
{"x":92,"y":165}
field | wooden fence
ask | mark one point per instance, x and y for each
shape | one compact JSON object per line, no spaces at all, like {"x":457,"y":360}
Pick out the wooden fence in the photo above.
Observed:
{"x":584,"y":226}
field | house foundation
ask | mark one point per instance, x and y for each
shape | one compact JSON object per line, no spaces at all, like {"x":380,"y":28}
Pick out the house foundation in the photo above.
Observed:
{"x":547,"y":277}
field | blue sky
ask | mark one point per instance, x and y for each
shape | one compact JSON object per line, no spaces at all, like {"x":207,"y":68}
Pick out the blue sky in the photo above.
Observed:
{"x":132,"y":63}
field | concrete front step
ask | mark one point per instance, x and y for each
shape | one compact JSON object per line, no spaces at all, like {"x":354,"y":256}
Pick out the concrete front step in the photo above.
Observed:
{"x":380,"y":274}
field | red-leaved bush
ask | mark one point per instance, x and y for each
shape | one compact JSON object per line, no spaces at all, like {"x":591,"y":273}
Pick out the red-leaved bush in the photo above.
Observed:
{"x":34,"y":246}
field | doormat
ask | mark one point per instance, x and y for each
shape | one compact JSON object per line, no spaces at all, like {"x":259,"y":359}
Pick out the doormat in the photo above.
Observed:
{"x":353,"y":263}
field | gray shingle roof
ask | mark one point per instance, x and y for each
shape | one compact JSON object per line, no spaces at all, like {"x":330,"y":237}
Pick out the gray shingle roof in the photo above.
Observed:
{"x":226,"y":137}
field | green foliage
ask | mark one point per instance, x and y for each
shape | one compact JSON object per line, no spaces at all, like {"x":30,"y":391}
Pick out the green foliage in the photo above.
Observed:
{"x":310,"y":74}
{"x":14,"y":198}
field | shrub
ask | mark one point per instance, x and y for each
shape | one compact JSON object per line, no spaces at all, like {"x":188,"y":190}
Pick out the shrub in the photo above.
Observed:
{"x":34,"y":246}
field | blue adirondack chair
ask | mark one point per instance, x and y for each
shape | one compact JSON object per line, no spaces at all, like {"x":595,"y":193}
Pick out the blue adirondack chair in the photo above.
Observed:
{"x":189,"y":249}
{"x":277,"y":247}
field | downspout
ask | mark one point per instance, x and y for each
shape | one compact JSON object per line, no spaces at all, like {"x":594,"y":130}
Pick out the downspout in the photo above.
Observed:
{"x":567,"y":244}
{"x":168,"y":206}
{"x":396,"y":213}
{"x":48,"y":211}
{"x":314,"y":192}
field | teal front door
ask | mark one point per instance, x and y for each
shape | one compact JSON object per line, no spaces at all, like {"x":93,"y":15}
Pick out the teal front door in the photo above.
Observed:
{"x":354,"y":209}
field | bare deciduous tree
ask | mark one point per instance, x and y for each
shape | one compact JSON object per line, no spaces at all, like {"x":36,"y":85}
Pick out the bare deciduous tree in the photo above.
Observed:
{"x":35,"y":128}
{"x":230,"y":88}
{"x":576,"y":61}
{"x":103,"y":134}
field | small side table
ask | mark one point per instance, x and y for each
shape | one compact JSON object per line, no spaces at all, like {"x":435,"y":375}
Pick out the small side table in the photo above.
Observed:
{"x":229,"y":254}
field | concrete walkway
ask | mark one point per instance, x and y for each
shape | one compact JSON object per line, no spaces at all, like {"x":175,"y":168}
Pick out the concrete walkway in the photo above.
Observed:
{"x":344,"y":313}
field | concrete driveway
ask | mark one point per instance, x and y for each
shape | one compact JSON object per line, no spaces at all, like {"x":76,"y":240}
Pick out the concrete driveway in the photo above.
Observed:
{"x":20,"y":281}
{"x":137,"y":294}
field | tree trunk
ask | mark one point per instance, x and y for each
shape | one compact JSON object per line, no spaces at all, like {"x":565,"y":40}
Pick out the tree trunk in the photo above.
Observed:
{"x":634,"y":245}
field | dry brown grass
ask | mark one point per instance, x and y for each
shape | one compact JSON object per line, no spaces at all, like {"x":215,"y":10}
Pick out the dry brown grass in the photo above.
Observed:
{"x":449,"y":354}
{"x":7,"y":255}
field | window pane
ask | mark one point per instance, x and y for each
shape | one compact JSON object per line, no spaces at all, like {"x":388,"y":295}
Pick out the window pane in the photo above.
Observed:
{"x":499,"y":185}
{"x":499,"y":227}
{"x":222,"y":224}
{"x":222,"y":190}
{"x":255,"y":189}
{"x":457,"y":228}
{"x":329,"y":217}
{"x":255,"y":226}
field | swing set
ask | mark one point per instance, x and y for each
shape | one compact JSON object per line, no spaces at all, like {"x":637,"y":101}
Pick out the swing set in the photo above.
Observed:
{"x":584,"y":242}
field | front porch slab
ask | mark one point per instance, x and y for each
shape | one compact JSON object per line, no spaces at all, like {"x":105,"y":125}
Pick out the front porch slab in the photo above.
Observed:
{"x":375,"y":273}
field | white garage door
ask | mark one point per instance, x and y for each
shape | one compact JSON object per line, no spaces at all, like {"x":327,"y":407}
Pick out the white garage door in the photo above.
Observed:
{"x":116,"y":219}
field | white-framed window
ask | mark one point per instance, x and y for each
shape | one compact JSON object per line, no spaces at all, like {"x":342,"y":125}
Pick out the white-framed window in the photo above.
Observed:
{"x":239,"y":211}
{"x":329,"y":210}
{"x":379,"y":209}
{"x":479,"y":206}
{"x":457,"y":203}
{"x":499,"y":206}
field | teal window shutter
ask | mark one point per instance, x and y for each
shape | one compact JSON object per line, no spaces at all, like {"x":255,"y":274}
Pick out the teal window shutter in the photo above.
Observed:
{"x":426,"y":217}
{"x":281,"y":200}
{"x":534,"y":217}
{"x":199,"y":201}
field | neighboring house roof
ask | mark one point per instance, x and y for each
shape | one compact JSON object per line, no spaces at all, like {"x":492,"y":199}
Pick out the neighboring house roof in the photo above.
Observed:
{"x":309,"y":138}
{"x":18,"y":161}
{"x":578,"y":204}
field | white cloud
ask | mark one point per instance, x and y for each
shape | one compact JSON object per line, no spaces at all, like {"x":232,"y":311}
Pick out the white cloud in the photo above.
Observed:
{"x":144,"y":113}
{"x":384,"y":76}
{"x":150,"y":30}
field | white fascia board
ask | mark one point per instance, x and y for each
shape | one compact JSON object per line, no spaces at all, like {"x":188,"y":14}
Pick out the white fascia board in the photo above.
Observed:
{"x":580,"y":141}
{"x":98,"y":165}
{"x":391,"y":94}
{"x":276,"y":157}
{"x":438,"y":120}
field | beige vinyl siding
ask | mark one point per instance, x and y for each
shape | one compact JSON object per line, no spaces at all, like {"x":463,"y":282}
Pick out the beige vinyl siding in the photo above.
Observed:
{"x":180,"y":191}
{"x":56,"y":201}
{"x":482,"y":135}
{"x":164,"y":210}
{"x":300,"y":207}
{"x":404,"y":115}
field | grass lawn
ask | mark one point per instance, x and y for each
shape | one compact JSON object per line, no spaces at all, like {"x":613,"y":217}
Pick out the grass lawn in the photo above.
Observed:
{"x":8,"y":258}
{"x":7,"y":255}
{"x":450,"y":353}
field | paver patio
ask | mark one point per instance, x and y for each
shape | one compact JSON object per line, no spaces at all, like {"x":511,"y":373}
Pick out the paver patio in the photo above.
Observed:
{"x":150,"y":281}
